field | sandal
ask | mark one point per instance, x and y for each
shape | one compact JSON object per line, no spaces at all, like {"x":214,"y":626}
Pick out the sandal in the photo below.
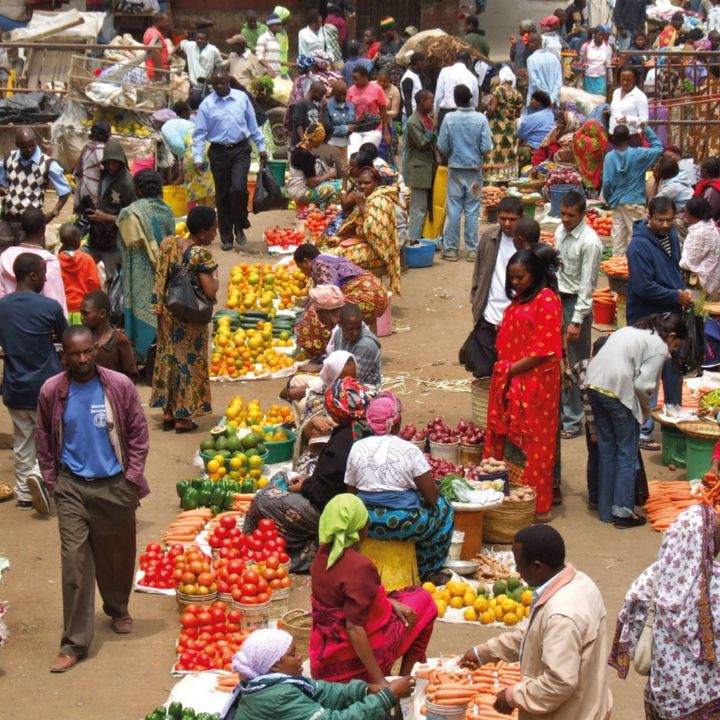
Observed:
{"x":180,"y":429}
{"x":567,"y":435}
{"x":650,"y":445}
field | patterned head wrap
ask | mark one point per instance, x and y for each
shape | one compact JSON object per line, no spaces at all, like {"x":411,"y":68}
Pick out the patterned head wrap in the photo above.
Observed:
{"x":347,"y":399}
{"x":304,"y":63}
{"x":262,"y":650}
{"x":340,"y":524}
{"x":383,"y":413}
{"x":314,"y":133}
{"x":322,"y":59}
{"x":327,"y":297}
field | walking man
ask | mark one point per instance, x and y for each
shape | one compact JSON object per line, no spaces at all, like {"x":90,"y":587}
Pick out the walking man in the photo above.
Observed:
{"x":226,"y":120}
{"x":464,"y":139}
{"x":451,"y":78}
{"x":25,"y":176}
{"x":420,"y":139}
{"x":30,"y":323}
{"x":92,"y":442}
{"x":544,"y":70}
{"x":580,"y":251}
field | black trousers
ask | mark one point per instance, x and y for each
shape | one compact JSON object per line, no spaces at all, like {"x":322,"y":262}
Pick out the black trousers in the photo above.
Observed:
{"x":229,"y":166}
{"x":485,"y":334}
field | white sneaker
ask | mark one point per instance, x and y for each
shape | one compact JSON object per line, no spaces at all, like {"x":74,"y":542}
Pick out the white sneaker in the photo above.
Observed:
{"x":40,"y":497}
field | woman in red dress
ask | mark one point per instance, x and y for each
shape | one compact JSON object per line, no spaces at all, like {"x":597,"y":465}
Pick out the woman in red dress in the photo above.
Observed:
{"x":359,"y":630}
{"x":525,"y":387}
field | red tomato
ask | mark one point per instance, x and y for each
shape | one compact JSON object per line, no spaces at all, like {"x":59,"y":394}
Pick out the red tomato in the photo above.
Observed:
{"x":222,"y":532}
{"x":263,"y":598}
{"x":236,"y":566}
{"x":249,"y":588}
{"x":284,"y":558}
{"x":154,"y":547}
{"x":205,"y":618}
{"x":273,"y":562}
{"x":251,"y":576}
{"x":188,"y":620}
{"x":236,"y":593}
{"x":233,"y":616}
{"x":262,"y":585}
{"x":248,"y":600}
{"x":228,"y":521}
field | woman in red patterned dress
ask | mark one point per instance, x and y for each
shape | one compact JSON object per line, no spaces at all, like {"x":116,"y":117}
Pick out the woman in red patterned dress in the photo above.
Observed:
{"x":525,"y":386}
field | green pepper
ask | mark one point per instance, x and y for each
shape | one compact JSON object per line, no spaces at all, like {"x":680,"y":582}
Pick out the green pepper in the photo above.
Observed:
{"x":216,"y":509}
{"x":188,"y":714}
{"x":217,"y":494}
{"x":159,"y":713}
{"x":228,"y":500}
{"x":175,"y":710}
{"x":197,"y":482}
{"x":248,"y":485}
{"x":190,"y":499}
{"x":204,"y":495}
{"x":181,"y":487}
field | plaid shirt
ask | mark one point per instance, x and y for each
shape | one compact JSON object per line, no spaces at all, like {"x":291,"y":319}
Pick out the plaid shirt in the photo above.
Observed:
{"x":365,"y":350}
{"x":576,"y":375}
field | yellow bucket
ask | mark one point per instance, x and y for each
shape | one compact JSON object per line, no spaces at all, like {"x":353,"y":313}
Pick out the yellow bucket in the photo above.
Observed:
{"x":433,"y":229}
{"x":176,"y":197}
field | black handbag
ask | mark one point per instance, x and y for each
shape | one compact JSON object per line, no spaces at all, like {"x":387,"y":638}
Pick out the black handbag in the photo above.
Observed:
{"x":475,"y":357}
{"x":691,"y":353}
{"x":268,"y":195}
{"x":185,"y":299}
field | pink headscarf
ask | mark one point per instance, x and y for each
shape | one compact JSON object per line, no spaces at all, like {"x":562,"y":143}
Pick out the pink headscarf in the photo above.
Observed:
{"x":547,"y":23}
{"x":383,"y":413}
{"x":327,"y":297}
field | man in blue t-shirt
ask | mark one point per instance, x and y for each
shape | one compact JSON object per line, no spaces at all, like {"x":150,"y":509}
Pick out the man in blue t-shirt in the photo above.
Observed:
{"x":30,"y":323}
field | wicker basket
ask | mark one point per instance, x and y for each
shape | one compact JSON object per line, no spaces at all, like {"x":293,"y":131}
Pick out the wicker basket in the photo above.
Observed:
{"x":501,"y":524}
{"x":298,"y":623}
{"x":480,"y":396}
{"x":700,"y":429}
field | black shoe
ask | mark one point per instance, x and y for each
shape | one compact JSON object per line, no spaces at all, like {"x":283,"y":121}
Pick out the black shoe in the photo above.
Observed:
{"x":592,"y":506}
{"x":40,"y":497}
{"x":240,"y":238}
{"x":622,"y":523}
{"x":24,"y":505}
{"x":227,"y":246}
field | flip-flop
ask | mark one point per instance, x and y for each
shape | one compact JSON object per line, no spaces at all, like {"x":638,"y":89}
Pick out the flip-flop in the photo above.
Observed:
{"x":567,"y":435}
{"x":650,"y":445}
{"x":181,"y":430}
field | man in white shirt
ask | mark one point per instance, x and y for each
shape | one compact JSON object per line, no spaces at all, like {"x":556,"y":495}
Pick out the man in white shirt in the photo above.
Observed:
{"x":448,"y":80}
{"x":312,"y":38}
{"x":203,"y":59}
{"x":242,"y":63}
{"x":487,"y":295}
{"x":580,"y":250}
{"x":268,"y":49}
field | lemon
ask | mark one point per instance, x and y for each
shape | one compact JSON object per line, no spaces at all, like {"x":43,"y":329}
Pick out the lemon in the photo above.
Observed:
{"x":487,"y":617}
{"x":456,"y":602}
{"x":430,"y":587}
{"x":470,"y":614}
{"x":481,"y":604}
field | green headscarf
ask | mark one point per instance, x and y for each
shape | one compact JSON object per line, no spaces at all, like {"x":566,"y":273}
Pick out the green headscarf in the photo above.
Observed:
{"x":340,"y":524}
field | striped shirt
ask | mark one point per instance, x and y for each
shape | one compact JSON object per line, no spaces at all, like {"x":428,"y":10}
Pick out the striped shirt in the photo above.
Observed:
{"x":269,"y":50}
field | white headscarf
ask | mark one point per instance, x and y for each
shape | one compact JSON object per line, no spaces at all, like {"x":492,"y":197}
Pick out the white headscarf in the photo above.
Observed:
{"x":260,"y":652}
{"x":507,"y":75}
{"x":333,"y":365}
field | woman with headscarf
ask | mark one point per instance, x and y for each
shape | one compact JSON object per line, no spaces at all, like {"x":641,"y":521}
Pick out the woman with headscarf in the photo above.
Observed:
{"x":89,"y":168}
{"x":368,"y":237}
{"x":272,"y":686}
{"x":309,"y":180}
{"x":296,"y":510}
{"x":358,"y":629}
{"x":682,"y":591}
{"x":313,"y":329}
{"x":550,"y":34}
{"x":393,"y":479}
{"x":142,"y":226}
{"x":505,"y":106}
{"x":558,"y":143}
{"x":590,"y":145}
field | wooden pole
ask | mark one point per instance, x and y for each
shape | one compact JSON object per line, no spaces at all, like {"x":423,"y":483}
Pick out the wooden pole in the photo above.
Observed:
{"x":73,"y":46}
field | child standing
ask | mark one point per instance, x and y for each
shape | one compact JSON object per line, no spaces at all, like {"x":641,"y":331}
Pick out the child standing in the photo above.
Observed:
{"x":114,"y":349}
{"x":80,"y":274}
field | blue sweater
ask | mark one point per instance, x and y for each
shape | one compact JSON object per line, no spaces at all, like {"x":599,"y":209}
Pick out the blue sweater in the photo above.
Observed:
{"x":624,"y":172}
{"x":654,"y":275}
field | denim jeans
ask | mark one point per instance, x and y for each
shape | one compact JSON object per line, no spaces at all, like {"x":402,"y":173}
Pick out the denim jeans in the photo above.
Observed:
{"x":672,"y":392}
{"x":617,"y":438}
{"x":572,"y":405}
{"x":464,"y":189}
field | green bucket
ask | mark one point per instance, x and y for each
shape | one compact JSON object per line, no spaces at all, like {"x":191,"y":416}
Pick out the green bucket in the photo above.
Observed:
{"x":277,"y":168}
{"x":674,"y":449}
{"x":699,"y":456}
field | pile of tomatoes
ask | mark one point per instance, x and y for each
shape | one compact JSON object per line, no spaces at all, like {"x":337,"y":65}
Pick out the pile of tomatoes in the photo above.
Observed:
{"x":317,"y":220}
{"x":209,"y":638}
{"x":284,"y":237}
{"x":158,"y":566}
{"x":193,"y":573}
{"x":264,"y":542}
{"x":601,"y":224}
{"x":231,"y":571}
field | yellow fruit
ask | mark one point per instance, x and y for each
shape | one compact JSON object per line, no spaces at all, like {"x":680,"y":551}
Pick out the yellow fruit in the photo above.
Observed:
{"x":430,"y":587}
{"x":492,"y":602}
{"x":470,"y":614}
{"x":456,"y":602}
{"x":487,"y":618}
{"x":441,"y":607}
{"x":481,"y":604}
{"x":499,"y":612}
{"x":235,"y":463}
{"x":213,"y":466}
{"x":262,"y":482}
{"x":508,"y":606}
{"x":469,"y":597}
{"x":255,"y":461}
{"x":501,"y":598}
{"x":458,"y":589}
{"x":510,"y":619}
{"x":526,"y":598}
{"x":444,"y":595}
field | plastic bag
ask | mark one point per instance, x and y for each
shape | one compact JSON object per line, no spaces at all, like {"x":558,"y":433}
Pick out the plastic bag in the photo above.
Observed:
{"x":117,"y":302}
{"x":268,"y":195}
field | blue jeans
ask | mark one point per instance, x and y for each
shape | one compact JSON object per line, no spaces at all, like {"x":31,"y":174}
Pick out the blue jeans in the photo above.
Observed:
{"x":464,"y":189}
{"x":618,"y":436}
{"x":672,"y":392}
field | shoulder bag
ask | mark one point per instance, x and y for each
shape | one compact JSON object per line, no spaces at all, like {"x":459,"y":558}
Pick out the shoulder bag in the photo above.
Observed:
{"x":184,"y":297}
{"x":642,"y":657}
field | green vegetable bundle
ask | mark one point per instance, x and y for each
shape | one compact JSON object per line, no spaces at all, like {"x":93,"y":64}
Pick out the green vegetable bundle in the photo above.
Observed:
{"x":448,"y":485}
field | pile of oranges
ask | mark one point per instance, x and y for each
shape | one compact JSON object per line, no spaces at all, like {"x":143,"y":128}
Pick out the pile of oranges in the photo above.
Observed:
{"x":237,"y":353}
{"x":240,"y":415}
{"x":257,"y":286}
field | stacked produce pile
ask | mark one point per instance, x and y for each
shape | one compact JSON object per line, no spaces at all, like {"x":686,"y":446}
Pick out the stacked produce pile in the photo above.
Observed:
{"x":251,"y":286}
{"x":122,"y":122}
{"x":709,"y":404}
{"x":283,"y":239}
{"x":600,"y":222}
{"x":491,"y":195}
{"x":616,"y":267}
{"x":176,"y":711}
{"x":666,"y":501}
{"x":317,"y":220}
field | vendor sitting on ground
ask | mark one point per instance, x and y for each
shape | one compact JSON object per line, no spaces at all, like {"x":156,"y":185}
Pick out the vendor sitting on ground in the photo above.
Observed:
{"x":392,"y":477}
{"x":558,"y":143}
{"x":324,"y":303}
{"x":296,"y":511}
{"x":272,"y":686}
{"x":358,"y":629}
{"x":309,"y":180}
{"x":354,"y":336}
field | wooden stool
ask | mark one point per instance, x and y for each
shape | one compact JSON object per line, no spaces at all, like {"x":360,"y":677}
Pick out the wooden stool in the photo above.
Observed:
{"x":395,"y":560}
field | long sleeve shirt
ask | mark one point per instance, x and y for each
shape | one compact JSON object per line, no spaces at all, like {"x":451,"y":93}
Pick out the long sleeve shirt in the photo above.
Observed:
{"x":633,"y":107}
{"x":464,"y":139}
{"x":224,"y":120}
{"x":310,"y":42}
{"x":534,"y":127}
{"x":340,"y":117}
{"x":544,"y":73}
{"x":448,"y":80}
{"x":201,"y":62}
{"x":580,"y":251}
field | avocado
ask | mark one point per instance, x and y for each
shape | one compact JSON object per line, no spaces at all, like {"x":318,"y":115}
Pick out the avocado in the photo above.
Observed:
{"x":251,"y":440}
{"x":499,"y":587}
{"x":513,"y":582}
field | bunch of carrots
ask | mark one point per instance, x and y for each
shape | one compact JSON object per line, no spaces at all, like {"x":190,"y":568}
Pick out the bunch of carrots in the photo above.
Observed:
{"x":711,"y":490}
{"x":227,"y":683}
{"x":604,"y":296}
{"x":242,"y":502}
{"x":476,"y":689}
{"x":667,"y":500}
{"x":186,"y":526}
{"x":617,"y":266}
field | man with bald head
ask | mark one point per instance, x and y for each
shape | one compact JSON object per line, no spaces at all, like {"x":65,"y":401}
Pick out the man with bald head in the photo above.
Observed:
{"x":25,"y":176}
{"x":544,"y":70}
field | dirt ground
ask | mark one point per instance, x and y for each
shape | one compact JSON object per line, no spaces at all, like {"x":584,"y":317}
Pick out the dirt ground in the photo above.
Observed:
{"x":127,"y":676}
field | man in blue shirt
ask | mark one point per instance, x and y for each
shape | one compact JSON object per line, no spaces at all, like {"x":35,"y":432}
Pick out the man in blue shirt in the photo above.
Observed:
{"x":226,"y":120}
{"x":30,"y":321}
{"x":353,"y":61}
{"x":535,"y":126}
{"x":543,"y":69}
{"x":464,"y":139}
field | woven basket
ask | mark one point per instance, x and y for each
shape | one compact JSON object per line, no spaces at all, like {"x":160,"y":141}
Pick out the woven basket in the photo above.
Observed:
{"x":298,"y":623}
{"x":479,"y":397}
{"x":501,"y":524}
{"x":700,"y":429}
{"x":6,"y":492}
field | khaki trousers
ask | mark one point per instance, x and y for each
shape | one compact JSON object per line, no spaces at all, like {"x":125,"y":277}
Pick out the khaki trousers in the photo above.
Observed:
{"x":97,"y":542}
{"x":624,"y":216}
{"x":24,"y":450}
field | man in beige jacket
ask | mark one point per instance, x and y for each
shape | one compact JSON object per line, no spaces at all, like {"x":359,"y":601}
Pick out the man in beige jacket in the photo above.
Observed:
{"x":563,"y":649}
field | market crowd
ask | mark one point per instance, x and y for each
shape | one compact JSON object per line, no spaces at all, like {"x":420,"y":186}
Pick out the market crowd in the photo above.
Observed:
{"x":412,"y":138}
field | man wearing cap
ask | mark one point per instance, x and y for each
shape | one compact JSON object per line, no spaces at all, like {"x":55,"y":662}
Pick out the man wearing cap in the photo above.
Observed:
{"x":203,"y":59}
{"x":226,"y":120}
{"x":408,"y":32}
{"x":389,"y":48}
{"x":269,"y":48}
{"x":252,"y":29}
{"x":243,"y":65}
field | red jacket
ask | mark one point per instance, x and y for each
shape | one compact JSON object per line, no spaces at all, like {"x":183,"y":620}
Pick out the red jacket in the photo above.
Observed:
{"x":80,"y":276}
{"x":126,"y":425}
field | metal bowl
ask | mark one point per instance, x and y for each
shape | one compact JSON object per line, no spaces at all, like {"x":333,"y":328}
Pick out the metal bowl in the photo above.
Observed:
{"x":462,"y":567}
